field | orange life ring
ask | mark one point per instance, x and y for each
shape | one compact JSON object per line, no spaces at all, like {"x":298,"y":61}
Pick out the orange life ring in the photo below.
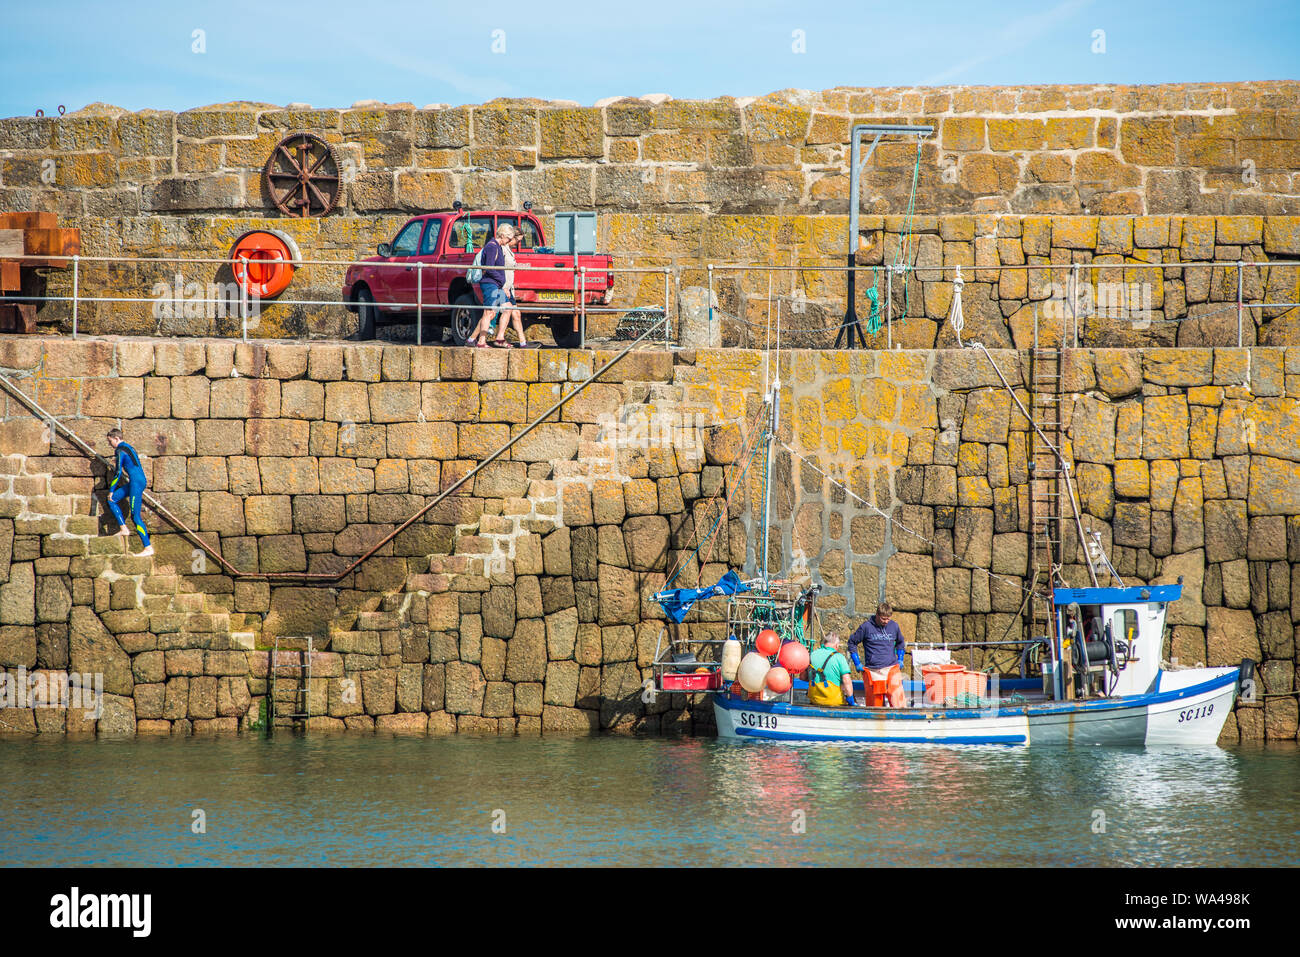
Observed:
{"x":270,"y":262}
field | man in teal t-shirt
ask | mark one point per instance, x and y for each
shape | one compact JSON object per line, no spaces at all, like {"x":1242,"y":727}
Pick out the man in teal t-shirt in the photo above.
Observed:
{"x":830,"y":682}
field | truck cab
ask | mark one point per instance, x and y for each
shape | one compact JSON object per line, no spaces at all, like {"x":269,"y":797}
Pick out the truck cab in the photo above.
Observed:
{"x":422,"y":271}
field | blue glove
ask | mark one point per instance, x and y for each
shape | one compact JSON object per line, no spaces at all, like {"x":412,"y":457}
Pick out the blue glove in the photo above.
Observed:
{"x":900,"y":660}
{"x":857,"y":663}
{"x":849,"y":700}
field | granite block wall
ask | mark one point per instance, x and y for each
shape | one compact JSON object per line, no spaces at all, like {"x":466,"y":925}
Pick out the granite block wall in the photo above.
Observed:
{"x":522,"y":603}
{"x":1037,"y":175}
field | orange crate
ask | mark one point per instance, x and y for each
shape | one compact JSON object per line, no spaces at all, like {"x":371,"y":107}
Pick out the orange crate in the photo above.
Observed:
{"x":943,"y":682}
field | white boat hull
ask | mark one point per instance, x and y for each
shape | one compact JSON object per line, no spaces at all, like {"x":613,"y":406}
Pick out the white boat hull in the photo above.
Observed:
{"x":1184,"y":708}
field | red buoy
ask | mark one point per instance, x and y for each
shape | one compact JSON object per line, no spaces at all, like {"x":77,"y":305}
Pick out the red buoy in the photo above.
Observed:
{"x":778,"y":680}
{"x":767,"y":642}
{"x":793,"y":657}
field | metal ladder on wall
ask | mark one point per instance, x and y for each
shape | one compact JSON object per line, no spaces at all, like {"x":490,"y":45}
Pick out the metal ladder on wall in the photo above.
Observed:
{"x":296,"y":698}
{"x":1047,"y":480}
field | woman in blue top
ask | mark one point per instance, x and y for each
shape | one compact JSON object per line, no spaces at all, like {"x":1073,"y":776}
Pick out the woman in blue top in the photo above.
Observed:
{"x":491,"y":285}
{"x":129,"y":482}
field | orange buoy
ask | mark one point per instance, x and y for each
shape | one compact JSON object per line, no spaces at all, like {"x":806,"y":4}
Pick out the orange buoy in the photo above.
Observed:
{"x":778,"y":680}
{"x":767,"y":642}
{"x":793,"y":657}
{"x":263,"y":262}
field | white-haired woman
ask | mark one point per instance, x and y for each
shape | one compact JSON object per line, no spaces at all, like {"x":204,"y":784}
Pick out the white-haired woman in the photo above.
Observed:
{"x":510,"y":315}
{"x":492,"y":284}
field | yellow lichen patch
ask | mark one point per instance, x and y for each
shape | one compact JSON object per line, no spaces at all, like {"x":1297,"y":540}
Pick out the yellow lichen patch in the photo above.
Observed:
{"x":1075,"y":232}
{"x":1164,"y":483}
{"x":838,"y":400}
{"x":855,"y":440}
{"x":878,"y":399}
{"x":808,"y":423}
{"x":900,"y":366}
{"x":1274,"y":427}
{"x":898,"y":448}
{"x":1131,"y":478}
{"x":916,"y":409}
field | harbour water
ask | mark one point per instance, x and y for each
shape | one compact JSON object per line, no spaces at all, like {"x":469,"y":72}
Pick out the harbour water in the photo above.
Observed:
{"x":639,"y":801}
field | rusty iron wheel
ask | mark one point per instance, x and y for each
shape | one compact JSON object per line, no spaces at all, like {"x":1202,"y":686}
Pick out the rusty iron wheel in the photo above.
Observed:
{"x":302,"y":176}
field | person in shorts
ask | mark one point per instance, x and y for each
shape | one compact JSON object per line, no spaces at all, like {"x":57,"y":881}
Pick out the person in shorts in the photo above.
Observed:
{"x":492,"y":284}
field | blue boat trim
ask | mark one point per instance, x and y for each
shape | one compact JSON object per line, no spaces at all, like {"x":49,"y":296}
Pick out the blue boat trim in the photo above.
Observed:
{"x":1117,"y":596}
{"x":941,"y":714}
{"x":885,"y":739}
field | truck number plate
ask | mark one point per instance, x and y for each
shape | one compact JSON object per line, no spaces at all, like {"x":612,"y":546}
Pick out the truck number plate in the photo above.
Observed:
{"x":556,"y":296}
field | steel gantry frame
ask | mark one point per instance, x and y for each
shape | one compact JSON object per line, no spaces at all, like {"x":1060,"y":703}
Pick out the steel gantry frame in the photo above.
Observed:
{"x":857,"y":163}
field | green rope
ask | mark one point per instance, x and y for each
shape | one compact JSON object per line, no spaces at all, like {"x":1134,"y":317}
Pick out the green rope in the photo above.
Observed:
{"x":873,"y":293}
{"x":968,"y":700}
{"x":906,"y":248}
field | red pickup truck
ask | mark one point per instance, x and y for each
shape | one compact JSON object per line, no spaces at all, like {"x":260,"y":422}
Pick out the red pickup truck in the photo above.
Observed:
{"x":542,"y":278}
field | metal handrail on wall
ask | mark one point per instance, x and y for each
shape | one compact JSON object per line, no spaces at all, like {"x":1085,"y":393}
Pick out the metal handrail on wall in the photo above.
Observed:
{"x":578,"y":306}
{"x":672,"y":280}
{"x":318,"y":578}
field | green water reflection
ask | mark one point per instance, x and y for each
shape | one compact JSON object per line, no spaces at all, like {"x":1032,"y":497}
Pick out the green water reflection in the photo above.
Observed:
{"x":628,"y":801}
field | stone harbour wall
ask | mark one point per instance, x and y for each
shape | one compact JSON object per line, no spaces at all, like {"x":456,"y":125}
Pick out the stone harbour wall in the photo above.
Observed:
{"x":1202,"y":148}
{"x":521,"y":604}
{"x":1045,"y":175}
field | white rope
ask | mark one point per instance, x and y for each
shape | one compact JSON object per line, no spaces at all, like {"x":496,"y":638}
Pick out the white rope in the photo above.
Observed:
{"x":954,"y":315}
{"x":897,"y":524}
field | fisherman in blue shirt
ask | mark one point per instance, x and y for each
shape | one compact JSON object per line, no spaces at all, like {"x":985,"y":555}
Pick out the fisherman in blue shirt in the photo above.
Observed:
{"x":128,"y":482}
{"x":883,"y":641}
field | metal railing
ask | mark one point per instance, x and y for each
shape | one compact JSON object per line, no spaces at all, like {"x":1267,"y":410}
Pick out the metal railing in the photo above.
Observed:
{"x":1062,"y":284}
{"x":313,"y":578}
{"x":249,"y":307}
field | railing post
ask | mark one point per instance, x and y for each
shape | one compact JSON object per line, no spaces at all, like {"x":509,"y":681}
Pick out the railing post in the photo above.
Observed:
{"x":243,"y":299}
{"x":575,"y":299}
{"x":668,"y":271}
{"x":1240,"y":307}
{"x":76,"y":261}
{"x":582,"y":308}
{"x":419,"y":304}
{"x":889,"y":307}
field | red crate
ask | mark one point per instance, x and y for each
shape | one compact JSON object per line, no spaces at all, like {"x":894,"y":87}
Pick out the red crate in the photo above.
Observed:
{"x":693,"y":681}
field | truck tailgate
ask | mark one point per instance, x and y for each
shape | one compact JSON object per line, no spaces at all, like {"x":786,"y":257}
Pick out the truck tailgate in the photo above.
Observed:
{"x":541,"y":272}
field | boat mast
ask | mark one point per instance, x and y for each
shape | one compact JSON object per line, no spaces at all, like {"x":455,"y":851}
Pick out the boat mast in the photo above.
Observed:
{"x":773,"y":420}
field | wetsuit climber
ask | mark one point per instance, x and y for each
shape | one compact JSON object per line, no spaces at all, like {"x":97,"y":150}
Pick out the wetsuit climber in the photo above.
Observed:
{"x":129,"y":482}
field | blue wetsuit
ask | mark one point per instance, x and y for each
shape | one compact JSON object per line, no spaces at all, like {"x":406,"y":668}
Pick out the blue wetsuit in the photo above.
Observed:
{"x":129,"y":482}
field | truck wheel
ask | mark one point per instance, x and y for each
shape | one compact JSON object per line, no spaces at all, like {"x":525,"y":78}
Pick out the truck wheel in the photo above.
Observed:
{"x":563,"y":334}
{"x":465,"y":313}
{"x":365,"y":315}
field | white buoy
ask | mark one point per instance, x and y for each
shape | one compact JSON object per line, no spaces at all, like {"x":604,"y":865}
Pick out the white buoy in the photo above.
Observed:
{"x":730,"y":659}
{"x":753,"y":672}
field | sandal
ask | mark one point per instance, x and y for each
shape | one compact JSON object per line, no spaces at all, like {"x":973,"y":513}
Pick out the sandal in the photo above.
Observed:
{"x":501,"y":344}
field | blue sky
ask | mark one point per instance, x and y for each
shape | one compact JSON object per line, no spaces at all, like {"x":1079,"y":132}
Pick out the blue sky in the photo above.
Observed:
{"x":330,"y":53}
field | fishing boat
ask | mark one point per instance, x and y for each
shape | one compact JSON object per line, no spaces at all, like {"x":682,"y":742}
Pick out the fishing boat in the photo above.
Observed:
{"x":1116,"y":694}
{"x":1094,"y":677}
